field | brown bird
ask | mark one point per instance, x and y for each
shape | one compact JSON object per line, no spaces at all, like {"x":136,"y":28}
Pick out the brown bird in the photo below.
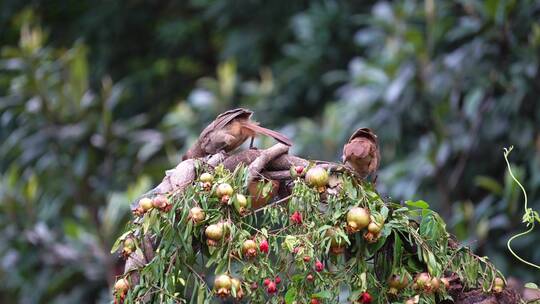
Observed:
{"x":361,"y":153}
{"x":228,"y":131}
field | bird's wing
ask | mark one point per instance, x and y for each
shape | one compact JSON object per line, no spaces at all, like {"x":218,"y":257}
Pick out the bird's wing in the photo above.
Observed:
{"x":224,"y":118}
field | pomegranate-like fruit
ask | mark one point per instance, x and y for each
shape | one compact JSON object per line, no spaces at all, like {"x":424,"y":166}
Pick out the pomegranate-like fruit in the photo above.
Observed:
{"x":214,"y":233}
{"x":337,"y":245}
{"x":365,"y":298}
{"x":266,"y":282}
{"x":317,"y":177}
{"x":160,"y":202}
{"x":423,"y":280}
{"x":357,"y":219}
{"x":371,"y":237}
{"x":241,"y":204}
{"x":237,"y":287}
{"x":224,"y":189}
{"x":397,"y":282}
{"x":296,"y":218}
{"x":271,"y":288}
{"x":498,"y":285}
{"x":197,"y":215}
{"x":121,"y":286}
{"x":374,"y":227}
{"x":264,"y":247}
{"x":146,"y":204}
{"x":277,"y":280}
{"x":319,"y":266}
{"x":249,"y":248}
{"x":310,"y":277}
{"x":222,"y":285}
{"x":206,"y":178}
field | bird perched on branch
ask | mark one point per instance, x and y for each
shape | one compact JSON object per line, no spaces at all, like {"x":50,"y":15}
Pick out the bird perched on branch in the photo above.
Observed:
{"x":228,"y":131}
{"x":361,"y":153}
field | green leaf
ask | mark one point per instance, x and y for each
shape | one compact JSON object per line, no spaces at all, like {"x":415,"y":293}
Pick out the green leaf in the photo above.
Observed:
{"x":325,"y":294}
{"x":290,"y":296}
{"x":418,"y":204}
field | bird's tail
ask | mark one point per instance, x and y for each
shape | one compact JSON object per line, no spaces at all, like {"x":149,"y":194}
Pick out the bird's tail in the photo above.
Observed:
{"x":262,"y":130}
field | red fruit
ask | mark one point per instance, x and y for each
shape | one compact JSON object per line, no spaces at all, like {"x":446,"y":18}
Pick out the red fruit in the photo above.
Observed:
{"x":296,"y":249}
{"x":319,"y":266}
{"x":266,"y":282}
{"x":310,"y":277}
{"x":264,"y":247}
{"x":299,"y":169}
{"x":296,"y":218}
{"x":271,"y":288}
{"x":315,"y":301}
{"x":277,"y":280}
{"x":307,"y":258}
{"x":365,"y":298}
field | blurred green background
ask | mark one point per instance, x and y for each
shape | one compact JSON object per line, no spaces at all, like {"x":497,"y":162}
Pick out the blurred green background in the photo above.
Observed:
{"x":98,"y":98}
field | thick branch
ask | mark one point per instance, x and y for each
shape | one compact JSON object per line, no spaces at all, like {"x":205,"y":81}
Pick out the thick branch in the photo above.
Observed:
{"x":264,"y":158}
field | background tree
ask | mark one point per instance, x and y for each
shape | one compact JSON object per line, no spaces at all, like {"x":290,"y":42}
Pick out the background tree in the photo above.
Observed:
{"x":99,"y":98}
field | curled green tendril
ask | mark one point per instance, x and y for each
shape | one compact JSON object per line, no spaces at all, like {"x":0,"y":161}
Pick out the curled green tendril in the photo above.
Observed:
{"x":530,"y":216}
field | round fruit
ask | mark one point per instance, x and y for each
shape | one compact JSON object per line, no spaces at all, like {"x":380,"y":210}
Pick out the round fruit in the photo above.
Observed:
{"x":214,"y":232}
{"x":307,"y":258}
{"x":423,"y":280}
{"x":264,"y":247}
{"x":121,"y":286}
{"x":446,"y":283}
{"x":435,"y":284}
{"x":299,"y":169}
{"x":365,"y":298}
{"x":129,"y":243}
{"x":317,"y":177}
{"x":146,"y":204}
{"x":337,"y":245}
{"x":224,"y":189}
{"x":266,"y":282}
{"x":374,"y":227}
{"x":398,"y":281}
{"x":197,"y":215}
{"x":206,"y":178}
{"x":357,"y":219}
{"x":222,"y":285}
{"x":237,"y":287}
{"x":498,"y":285}
{"x":310,"y":277}
{"x":319,"y":266}
{"x":249,"y":248}
{"x":271,"y":288}
{"x":160,"y":202}
{"x":277,"y":280}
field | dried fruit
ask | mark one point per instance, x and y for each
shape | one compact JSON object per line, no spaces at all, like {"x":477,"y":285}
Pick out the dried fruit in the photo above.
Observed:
{"x":224,"y":189}
{"x":197,"y":215}
{"x":264,"y":247}
{"x":222,"y":285}
{"x":249,"y":248}
{"x":225,"y":200}
{"x":357,"y":219}
{"x":371,"y":237}
{"x":146,"y":204}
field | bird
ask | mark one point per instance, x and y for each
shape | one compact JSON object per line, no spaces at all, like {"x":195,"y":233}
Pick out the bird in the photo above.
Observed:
{"x":228,"y":131}
{"x":361,"y":152}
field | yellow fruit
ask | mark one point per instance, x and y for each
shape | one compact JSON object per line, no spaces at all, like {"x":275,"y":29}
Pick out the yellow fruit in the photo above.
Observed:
{"x":197,"y":215}
{"x":224,"y":189}
{"x":206,"y":178}
{"x":146,"y":204}
{"x":214,"y":232}
{"x":317,"y":177}
{"x":357,"y":219}
{"x":249,"y":248}
{"x":222,"y":285}
{"x":374,"y":227}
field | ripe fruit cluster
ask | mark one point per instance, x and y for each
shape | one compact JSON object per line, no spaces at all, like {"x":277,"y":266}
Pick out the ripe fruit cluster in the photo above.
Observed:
{"x":159,"y":202}
{"x":224,"y":286}
{"x":359,"y":218}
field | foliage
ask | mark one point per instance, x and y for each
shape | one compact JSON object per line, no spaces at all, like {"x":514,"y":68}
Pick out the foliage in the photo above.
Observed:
{"x":409,"y":240}
{"x":446,"y":85}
